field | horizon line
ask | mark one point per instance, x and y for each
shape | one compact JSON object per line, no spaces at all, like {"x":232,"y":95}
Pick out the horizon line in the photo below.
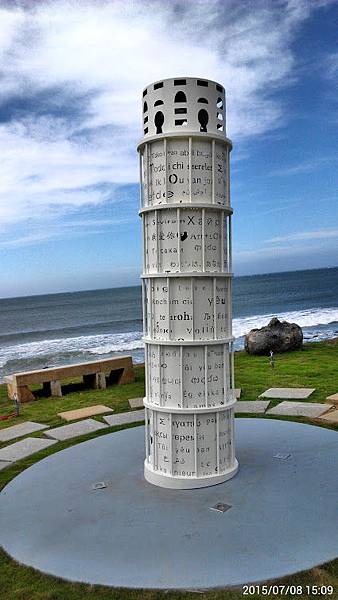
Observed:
{"x":119,"y":287}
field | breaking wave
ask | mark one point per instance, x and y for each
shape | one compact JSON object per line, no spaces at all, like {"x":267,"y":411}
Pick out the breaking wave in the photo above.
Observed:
{"x":309,"y":317}
{"x":317,"y":324}
{"x":57,"y":351}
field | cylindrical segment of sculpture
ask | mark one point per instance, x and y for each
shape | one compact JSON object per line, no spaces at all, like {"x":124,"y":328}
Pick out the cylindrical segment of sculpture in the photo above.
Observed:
{"x":186,"y":285}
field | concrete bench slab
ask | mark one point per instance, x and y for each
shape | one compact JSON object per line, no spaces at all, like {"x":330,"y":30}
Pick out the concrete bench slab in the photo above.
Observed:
{"x":299,"y":409}
{"x":136,"y":402}
{"x":24,"y":448}
{"x":333,"y":398}
{"x":253,"y":406}
{"x":66,"y":432}
{"x":3,"y":465}
{"x":127,"y":417}
{"x":87,"y":411}
{"x":95,"y":374}
{"x":10,"y":433}
{"x":330,"y":417}
{"x":285,"y":393}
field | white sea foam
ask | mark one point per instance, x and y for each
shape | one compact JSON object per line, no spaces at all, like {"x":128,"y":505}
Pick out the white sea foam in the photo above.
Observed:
{"x":56,"y":351}
{"x":92,"y":344}
{"x":304,"y":318}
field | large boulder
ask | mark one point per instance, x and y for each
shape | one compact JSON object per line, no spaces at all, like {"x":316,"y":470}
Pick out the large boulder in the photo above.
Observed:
{"x":278,"y":336}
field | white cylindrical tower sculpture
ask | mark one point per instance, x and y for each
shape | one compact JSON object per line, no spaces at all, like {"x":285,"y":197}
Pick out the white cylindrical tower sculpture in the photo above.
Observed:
{"x":186,"y":284}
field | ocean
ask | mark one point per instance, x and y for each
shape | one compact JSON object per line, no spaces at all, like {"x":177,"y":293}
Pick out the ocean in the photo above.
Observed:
{"x":57,"y":329}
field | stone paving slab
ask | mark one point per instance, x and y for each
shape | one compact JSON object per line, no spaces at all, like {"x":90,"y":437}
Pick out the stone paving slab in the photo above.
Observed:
{"x":333,"y":398}
{"x":330,"y":417}
{"x":66,"y":432}
{"x":299,"y":409}
{"x":253,"y":406}
{"x":87,"y":411}
{"x":285,"y":393}
{"x":127,"y":417}
{"x":136,"y":402}
{"x":24,"y":448}
{"x":3,"y":465}
{"x":10,"y":433}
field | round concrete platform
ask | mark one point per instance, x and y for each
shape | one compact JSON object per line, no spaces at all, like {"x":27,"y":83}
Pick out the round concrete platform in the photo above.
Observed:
{"x":283,"y":515}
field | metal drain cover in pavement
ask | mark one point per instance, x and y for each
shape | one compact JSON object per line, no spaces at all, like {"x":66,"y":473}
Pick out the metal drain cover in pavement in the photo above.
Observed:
{"x":220,"y":507}
{"x":100,"y":485}
{"x":282,"y":456}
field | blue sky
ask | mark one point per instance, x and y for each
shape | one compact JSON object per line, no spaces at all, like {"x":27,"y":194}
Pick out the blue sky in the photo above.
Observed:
{"x":70,"y":119}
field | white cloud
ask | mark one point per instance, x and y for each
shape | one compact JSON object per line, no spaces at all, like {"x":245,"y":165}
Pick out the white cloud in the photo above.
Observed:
{"x":104,"y":53}
{"x":285,"y":256}
{"x":321,"y":234}
{"x":281,"y":252}
{"x":332,"y":66}
{"x":42,"y":168}
{"x":306,"y":166}
{"x":77,"y":228}
{"x":275,"y":252}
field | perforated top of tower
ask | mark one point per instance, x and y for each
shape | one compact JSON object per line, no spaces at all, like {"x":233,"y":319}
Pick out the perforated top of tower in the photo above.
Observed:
{"x":183,"y":105}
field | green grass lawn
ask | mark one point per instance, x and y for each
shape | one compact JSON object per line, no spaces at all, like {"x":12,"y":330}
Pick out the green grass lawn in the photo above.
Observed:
{"x":315,"y":366}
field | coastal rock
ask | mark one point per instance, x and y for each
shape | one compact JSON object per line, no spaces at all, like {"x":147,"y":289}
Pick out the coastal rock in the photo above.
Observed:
{"x":278,"y":336}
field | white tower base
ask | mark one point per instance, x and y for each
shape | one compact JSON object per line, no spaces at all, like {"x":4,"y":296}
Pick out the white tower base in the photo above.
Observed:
{"x":182,"y":483}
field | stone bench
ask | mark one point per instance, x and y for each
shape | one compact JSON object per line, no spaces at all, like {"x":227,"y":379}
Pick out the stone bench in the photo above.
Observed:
{"x":96,"y":375}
